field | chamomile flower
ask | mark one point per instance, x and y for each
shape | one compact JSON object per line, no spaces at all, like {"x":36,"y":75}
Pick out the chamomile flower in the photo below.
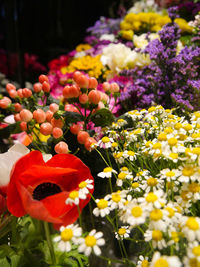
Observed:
{"x":122,"y":176}
{"x":193,"y":251}
{"x":136,"y":213}
{"x":106,"y":173}
{"x":86,"y":186}
{"x":117,"y":199}
{"x":123,"y":232}
{"x":153,"y":199}
{"x":67,"y":235}
{"x":105,"y":142}
{"x":74,"y":197}
{"x":143,"y":261}
{"x":158,"y":219}
{"x":170,"y":175}
{"x":157,"y":238}
{"x":102,"y":208}
{"x":152,"y":184}
{"x":91,"y":242}
{"x":159,"y":260}
{"x":191,"y":228}
{"x":129,"y":154}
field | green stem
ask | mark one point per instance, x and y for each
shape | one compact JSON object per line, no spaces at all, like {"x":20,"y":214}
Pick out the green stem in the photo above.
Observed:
{"x":80,"y":218}
{"x":49,"y":242}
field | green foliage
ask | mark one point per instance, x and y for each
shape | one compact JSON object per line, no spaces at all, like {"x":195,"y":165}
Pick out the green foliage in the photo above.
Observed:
{"x":103,"y":117}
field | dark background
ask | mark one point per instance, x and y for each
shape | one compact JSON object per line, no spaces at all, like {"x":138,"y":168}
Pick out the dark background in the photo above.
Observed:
{"x":48,"y":28}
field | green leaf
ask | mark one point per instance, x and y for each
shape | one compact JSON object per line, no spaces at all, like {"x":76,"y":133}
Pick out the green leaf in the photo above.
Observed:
{"x":10,"y":129}
{"x":4,"y":263}
{"x":5,"y":250}
{"x":103,"y":117}
{"x":72,"y":117}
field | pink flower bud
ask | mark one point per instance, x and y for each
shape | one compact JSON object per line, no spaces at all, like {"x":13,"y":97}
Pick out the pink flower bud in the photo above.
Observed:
{"x":71,"y":108}
{"x":10,"y":86}
{"x":54,"y":107}
{"x":57,"y":132}
{"x":82,"y":81}
{"x":5,"y":102}
{"x":23,"y":126}
{"x":39,"y":115}
{"x":46,"y":87}
{"x":94,"y":97}
{"x":83,"y":98}
{"x":17,"y":117}
{"x":92,"y":83}
{"x":114,"y":88}
{"x":18,"y":107}
{"x":75,"y":128}
{"x":82,"y":136}
{"x":61,"y":148}
{"x":20,"y":93}
{"x":37,"y":87}
{"x":43,"y":78}
{"x":26,"y":115}
{"x":49,"y":115}
{"x":13,"y":93}
{"x":46,"y":128}
{"x":57,"y":123}
{"x":76,"y":75}
{"x":27,"y":92}
{"x":104,"y":97}
{"x":106,"y":86}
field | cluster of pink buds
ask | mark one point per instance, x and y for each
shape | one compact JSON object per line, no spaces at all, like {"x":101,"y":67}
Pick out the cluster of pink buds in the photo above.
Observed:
{"x":84,"y":92}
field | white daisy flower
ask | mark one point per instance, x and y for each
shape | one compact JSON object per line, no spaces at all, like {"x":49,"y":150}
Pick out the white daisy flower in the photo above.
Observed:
{"x":163,"y":260}
{"x":74,"y":197}
{"x":143,"y":261}
{"x":157,"y":238}
{"x":107,"y":172}
{"x":86,"y":186}
{"x":136,"y":213}
{"x":191,"y":228}
{"x":67,"y":235}
{"x":129,"y":154}
{"x":91,"y":242}
{"x":153,"y":199}
{"x":105,"y":142}
{"x":123,"y":232}
{"x":102,"y":208}
{"x":117,"y":199}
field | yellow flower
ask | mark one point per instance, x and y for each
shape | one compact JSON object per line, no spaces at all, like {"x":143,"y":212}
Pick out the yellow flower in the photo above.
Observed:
{"x":91,"y":65}
{"x":127,"y":34}
{"x":83,"y":47}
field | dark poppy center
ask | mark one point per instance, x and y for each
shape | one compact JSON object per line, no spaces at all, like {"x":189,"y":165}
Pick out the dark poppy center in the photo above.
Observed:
{"x":45,"y":190}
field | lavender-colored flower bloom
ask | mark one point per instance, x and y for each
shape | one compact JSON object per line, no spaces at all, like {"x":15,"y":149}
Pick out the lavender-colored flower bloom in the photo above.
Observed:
{"x":173,"y":12}
{"x":170,"y":79}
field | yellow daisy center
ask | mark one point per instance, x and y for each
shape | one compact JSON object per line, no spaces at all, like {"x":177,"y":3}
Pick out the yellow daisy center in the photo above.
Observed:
{"x":82,"y":184}
{"x":102,"y":204}
{"x":171,"y":211}
{"x":121,"y":231}
{"x":162,"y":137}
{"x":105,"y":139}
{"x":194,"y":263}
{"x":196,"y":251}
{"x":136,"y":211}
{"x":90,"y":241}
{"x":73,"y":195}
{"x":172,"y":141}
{"x":194,"y":187}
{"x":152,"y":181}
{"x":157,"y":146}
{"x":122,"y":175}
{"x":173,"y":155}
{"x":116,"y":197}
{"x":108,"y":169}
{"x":161,"y":262}
{"x":192,"y":224}
{"x":131,"y":153}
{"x":178,"y":126}
{"x":156,"y":215}
{"x":175,"y":237}
{"x":188,"y":171}
{"x":145,"y":263}
{"x":157,"y":235}
{"x":187,"y":127}
{"x":196,"y":150}
{"x":170,"y":174}
{"x":135,"y":185}
{"x":151,"y":197}
{"x":168,"y":130}
{"x":66,"y":234}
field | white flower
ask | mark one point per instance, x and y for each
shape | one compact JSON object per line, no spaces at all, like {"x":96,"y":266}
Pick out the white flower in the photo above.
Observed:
{"x":91,"y":243}
{"x":74,"y":197}
{"x":156,"y":236}
{"x":102,"y":208}
{"x":7,"y":161}
{"x":68,"y":234}
{"x":106,"y":173}
{"x":163,"y":260}
{"x":191,"y":228}
{"x":142,"y":262}
{"x":109,"y":37}
{"x":122,"y":233}
{"x":85,"y":186}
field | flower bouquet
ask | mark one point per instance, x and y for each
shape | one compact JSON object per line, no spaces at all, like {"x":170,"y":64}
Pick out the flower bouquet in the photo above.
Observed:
{"x":80,"y":186}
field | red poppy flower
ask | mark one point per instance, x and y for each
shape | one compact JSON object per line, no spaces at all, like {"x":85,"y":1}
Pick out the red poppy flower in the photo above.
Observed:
{"x":40,"y":189}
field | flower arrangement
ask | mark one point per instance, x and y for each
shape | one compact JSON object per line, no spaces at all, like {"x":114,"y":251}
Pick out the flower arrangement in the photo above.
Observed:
{"x":80,"y":186}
